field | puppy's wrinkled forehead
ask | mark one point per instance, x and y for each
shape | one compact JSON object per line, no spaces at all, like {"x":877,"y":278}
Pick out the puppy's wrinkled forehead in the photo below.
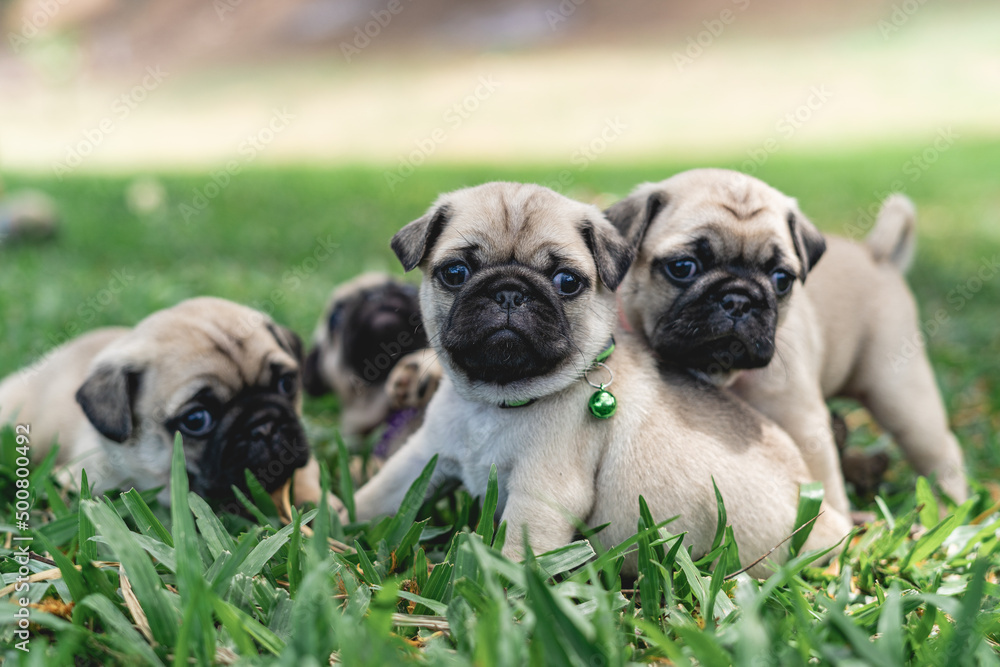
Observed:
{"x":505,"y":222}
{"x":713,"y":204}
{"x":215,"y":343}
{"x":354,"y":289}
{"x":706,"y":195}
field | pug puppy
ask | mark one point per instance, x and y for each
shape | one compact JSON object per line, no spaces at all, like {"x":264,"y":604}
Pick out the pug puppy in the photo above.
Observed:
{"x":713,"y":292}
{"x":225,"y":376}
{"x":370,"y":349}
{"x":518,"y":301}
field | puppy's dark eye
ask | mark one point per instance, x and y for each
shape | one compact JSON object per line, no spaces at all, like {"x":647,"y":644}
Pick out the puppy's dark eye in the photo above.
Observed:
{"x":287,"y":384}
{"x":196,"y":422}
{"x":455,"y":274}
{"x":683,"y":269}
{"x":567,"y":283}
{"x":783,"y":281}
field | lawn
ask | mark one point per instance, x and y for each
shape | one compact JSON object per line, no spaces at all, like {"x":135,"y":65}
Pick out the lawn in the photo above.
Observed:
{"x":429,"y":585}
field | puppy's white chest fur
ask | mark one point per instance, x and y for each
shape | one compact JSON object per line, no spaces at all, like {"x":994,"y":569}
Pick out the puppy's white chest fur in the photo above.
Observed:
{"x":480,"y":436}
{"x":547,"y":455}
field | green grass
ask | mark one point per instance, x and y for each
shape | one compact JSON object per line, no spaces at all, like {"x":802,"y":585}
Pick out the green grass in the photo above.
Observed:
{"x":430,"y":586}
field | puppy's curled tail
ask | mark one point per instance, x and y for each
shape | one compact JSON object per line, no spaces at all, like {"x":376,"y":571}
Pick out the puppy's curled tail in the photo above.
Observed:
{"x":894,"y":237}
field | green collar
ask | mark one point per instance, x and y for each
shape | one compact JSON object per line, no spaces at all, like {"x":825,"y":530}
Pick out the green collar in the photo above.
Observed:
{"x":600,"y":358}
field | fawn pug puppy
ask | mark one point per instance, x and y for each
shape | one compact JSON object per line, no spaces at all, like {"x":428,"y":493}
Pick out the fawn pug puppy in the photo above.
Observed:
{"x":370,"y":349}
{"x":518,"y":300}
{"x":223,"y":375}
{"x":713,"y":291}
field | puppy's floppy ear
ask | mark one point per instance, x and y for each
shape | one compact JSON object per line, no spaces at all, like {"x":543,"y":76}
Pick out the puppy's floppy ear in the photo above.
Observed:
{"x":107,"y":396}
{"x":809,"y":242}
{"x":412,"y":243}
{"x":612,"y":254}
{"x":287,"y":339}
{"x":632,"y":215}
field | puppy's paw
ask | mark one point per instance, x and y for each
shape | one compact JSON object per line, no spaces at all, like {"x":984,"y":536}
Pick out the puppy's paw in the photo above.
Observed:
{"x":414,"y":380}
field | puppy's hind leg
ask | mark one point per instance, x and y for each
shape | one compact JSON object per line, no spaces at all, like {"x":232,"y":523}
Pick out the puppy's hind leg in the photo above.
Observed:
{"x":903,"y":398}
{"x":813,"y":434}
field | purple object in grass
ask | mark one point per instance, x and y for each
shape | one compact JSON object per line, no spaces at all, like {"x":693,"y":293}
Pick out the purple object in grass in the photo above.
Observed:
{"x":397,"y":421}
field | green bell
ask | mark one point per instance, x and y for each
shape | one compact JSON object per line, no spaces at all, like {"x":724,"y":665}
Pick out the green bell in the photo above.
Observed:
{"x":602,"y":404}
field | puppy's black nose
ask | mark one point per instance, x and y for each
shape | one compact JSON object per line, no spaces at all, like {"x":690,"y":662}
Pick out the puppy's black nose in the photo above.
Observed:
{"x":736,"y":306}
{"x":262,"y":430}
{"x":509,"y":298}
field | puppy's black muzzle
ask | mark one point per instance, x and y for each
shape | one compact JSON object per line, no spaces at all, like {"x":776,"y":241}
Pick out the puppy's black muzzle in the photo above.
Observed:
{"x":378,"y":327}
{"x":729,"y":324}
{"x":261,"y":433}
{"x":383,"y":326}
{"x":506,"y":325}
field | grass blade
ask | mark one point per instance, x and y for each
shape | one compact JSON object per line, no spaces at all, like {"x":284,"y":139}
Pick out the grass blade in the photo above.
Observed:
{"x":962,"y":643}
{"x":367,"y":567}
{"x":123,"y":636}
{"x":810,"y":501}
{"x":721,"y":518}
{"x":70,"y":575}
{"x":294,"y":553}
{"x":930,"y":541}
{"x":232,"y":622}
{"x":261,"y":498}
{"x":346,"y":483}
{"x":149,"y":590}
{"x":252,"y":508}
{"x":929,"y":516}
{"x":890,"y":626}
{"x":87,"y":548}
{"x":269,"y":546}
{"x":191,"y":583}
{"x":212,"y":530}
{"x":144,"y":518}
{"x":396,"y":528}
{"x":561,"y":634}
{"x":649,"y":573}
{"x":155,"y":548}
{"x":486,"y":519}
